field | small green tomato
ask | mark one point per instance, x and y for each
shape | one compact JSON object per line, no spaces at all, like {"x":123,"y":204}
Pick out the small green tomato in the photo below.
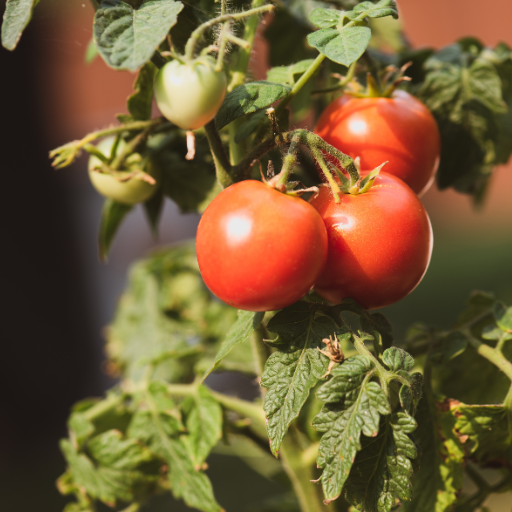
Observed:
{"x":190,"y":94}
{"x":131,"y":191}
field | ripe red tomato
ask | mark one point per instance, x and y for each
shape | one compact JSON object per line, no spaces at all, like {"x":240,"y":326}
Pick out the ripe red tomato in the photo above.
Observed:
{"x":400,"y":130}
{"x":380,"y":243}
{"x":259,"y":249}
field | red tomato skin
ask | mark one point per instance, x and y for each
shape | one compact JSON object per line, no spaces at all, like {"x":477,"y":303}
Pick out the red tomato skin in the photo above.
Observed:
{"x":400,"y":130}
{"x":380,"y":243}
{"x":259,"y":249}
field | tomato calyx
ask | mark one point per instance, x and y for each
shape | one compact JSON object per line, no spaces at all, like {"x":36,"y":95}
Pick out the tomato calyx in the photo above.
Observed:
{"x":361,"y":184}
{"x":381,"y":85}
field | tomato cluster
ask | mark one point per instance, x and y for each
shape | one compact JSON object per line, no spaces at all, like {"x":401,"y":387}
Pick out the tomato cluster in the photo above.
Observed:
{"x":259,"y":249}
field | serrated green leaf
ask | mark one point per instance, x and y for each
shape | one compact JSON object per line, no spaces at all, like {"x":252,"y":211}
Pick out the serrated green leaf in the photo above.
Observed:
{"x":342,"y":46}
{"x":160,"y":431}
{"x":140,"y":102}
{"x":165,"y":311}
{"x":378,"y":10}
{"x":489,"y":435}
{"x":126,"y":37}
{"x":294,"y":368}
{"x":438,"y":482}
{"x":239,"y":332}
{"x":249,"y":98}
{"x":204,"y":424}
{"x":325,"y":18}
{"x":112,"y":215}
{"x":358,"y":404}
{"x":16,"y":17}
{"x":410,"y":395}
{"x":382,"y":471}
{"x":397,"y":359}
{"x":113,"y":471}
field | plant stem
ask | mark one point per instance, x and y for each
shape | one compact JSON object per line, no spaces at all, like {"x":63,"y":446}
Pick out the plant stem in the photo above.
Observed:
{"x":101,"y":408}
{"x":222,"y":165}
{"x":348,"y":78}
{"x":491,"y":354}
{"x":327,"y":173}
{"x":300,"y":475}
{"x":198,"y":32}
{"x":300,"y":83}
{"x":244,"y":54}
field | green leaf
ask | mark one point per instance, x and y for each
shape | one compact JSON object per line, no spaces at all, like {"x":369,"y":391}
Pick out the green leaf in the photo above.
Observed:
{"x":453,"y":345}
{"x":91,"y":52}
{"x":126,"y":37}
{"x":288,"y":74}
{"x":397,"y":359}
{"x":166,"y":311}
{"x":248,"y":98}
{"x":112,"y":215}
{"x":486,"y":431}
{"x":478,"y":304}
{"x":343,"y":46}
{"x":354,"y":406}
{"x":410,"y":395}
{"x":139,"y":103}
{"x":16,"y":17}
{"x":438,"y":482}
{"x":239,"y":332}
{"x":249,"y":127}
{"x":80,"y":427}
{"x":378,"y":10}
{"x":160,"y":430}
{"x":325,"y":18}
{"x":113,"y":472}
{"x":294,"y":368}
{"x":382,"y":471}
{"x":503,"y":316}
{"x":204,"y":424}
{"x":191,"y":195}
{"x":153,"y":208}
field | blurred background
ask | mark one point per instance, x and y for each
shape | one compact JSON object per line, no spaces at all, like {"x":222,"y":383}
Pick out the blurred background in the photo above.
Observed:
{"x":58,"y":296}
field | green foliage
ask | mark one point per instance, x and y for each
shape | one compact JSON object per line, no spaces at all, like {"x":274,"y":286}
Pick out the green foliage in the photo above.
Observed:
{"x":341,"y":37}
{"x":295,"y":367}
{"x":239,"y":332}
{"x":465,"y":87}
{"x":438,"y":482}
{"x":112,"y":215}
{"x":249,"y":98}
{"x":16,"y":18}
{"x":127,"y":37}
{"x":139,"y":103}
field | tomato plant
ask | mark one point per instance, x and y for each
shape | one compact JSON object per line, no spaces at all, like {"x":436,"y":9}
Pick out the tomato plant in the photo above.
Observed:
{"x":190,"y":93}
{"x":380,"y":423}
{"x":399,"y":130}
{"x":380,"y":243}
{"x":126,"y":186}
{"x":258,"y":249}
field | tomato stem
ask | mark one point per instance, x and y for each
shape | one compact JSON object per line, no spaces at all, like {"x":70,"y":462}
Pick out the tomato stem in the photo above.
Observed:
{"x":222,"y":165}
{"x":342,"y":83}
{"x":193,"y":41}
{"x":327,"y":173}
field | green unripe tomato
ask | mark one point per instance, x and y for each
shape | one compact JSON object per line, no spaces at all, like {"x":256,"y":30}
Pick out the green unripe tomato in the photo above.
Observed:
{"x":190,"y":94}
{"x":131,"y":191}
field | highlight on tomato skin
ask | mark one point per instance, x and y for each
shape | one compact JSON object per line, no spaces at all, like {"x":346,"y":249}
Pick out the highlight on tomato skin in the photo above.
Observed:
{"x":259,"y":249}
{"x":380,"y":243}
{"x":400,"y":130}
